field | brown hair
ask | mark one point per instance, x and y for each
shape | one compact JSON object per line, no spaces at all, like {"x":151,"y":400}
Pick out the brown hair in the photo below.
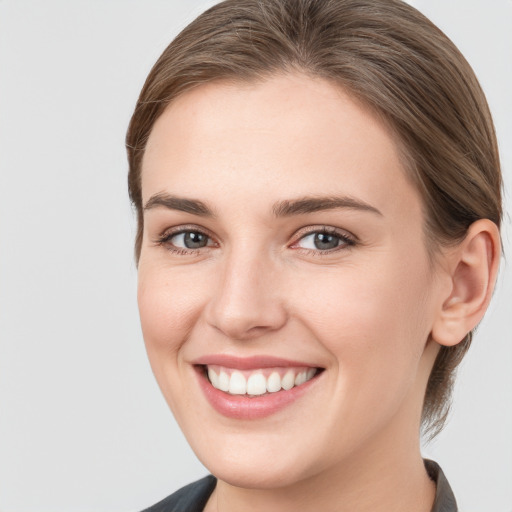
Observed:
{"x":394,"y":60}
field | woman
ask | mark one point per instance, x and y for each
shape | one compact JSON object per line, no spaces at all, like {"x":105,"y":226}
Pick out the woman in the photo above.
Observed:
{"x":317,"y":186}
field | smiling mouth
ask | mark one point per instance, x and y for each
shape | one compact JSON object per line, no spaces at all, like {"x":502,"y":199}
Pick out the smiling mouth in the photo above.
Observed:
{"x":253,"y":388}
{"x":258,"y":382}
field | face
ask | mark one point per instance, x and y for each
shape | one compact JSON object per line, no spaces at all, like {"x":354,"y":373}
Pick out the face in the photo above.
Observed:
{"x":285,"y":292}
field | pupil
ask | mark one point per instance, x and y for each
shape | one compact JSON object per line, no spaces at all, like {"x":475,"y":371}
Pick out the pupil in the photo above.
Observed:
{"x":195,"y":240}
{"x":326,"y":241}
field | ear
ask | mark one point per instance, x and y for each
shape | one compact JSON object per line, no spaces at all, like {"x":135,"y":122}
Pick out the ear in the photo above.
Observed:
{"x":472,"y":270}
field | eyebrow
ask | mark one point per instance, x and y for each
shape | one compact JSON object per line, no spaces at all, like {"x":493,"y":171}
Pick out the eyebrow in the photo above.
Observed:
{"x":315,"y":204}
{"x":193,"y":206}
{"x":285,"y":208}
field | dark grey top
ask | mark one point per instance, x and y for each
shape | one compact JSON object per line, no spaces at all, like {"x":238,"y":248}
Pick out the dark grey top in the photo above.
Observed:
{"x":193,"y":497}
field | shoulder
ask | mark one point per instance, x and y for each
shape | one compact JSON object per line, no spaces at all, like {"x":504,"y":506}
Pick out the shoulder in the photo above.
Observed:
{"x":191,"y":498}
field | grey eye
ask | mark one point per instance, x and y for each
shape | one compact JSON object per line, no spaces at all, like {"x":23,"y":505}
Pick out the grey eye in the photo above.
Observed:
{"x":321,"y":241}
{"x":190,"y":240}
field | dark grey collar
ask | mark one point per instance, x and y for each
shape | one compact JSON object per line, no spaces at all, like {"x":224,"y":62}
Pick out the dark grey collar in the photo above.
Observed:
{"x":445,"y":500}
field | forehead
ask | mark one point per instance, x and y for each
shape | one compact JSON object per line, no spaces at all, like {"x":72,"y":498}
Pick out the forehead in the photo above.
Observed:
{"x":288,"y":135}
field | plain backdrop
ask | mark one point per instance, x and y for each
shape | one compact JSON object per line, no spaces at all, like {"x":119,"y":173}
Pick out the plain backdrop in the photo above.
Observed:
{"x":83,"y":426}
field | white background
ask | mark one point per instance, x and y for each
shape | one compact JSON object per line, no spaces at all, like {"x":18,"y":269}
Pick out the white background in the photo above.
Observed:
{"x":83,"y":426}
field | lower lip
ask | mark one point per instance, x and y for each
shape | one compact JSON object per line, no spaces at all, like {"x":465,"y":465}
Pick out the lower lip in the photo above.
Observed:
{"x":242,"y":407}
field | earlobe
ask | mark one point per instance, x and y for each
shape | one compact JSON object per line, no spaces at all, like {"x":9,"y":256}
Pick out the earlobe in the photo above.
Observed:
{"x":473,"y":268}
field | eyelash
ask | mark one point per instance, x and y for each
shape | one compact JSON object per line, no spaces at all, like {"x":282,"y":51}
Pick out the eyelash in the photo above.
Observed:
{"x":164,"y":240}
{"x":346,"y":241}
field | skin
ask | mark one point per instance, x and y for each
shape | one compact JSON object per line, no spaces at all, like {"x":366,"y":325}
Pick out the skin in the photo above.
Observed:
{"x":365,"y":311}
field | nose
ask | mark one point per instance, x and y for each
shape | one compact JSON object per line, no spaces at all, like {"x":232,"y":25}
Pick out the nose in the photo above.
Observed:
{"x":247,"y":302}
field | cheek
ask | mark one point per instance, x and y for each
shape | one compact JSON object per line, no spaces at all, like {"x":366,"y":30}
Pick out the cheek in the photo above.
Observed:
{"x":364,"y":303}
{"x":168,"y":306}
{"x":374,"y":324}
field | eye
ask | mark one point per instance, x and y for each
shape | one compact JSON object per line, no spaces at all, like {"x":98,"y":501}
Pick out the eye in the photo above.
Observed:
{"x":189,"y":240}
{"x":324,"y":240}
{"x":185,"y":241}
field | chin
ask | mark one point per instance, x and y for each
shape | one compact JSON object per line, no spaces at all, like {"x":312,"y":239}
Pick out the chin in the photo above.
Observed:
{"x":258,"y":472}
{"x":269,"y":458}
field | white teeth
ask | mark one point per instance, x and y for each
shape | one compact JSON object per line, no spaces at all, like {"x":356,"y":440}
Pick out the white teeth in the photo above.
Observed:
{"x":237,"y":384}
{"x":223,"y":381}
{"x":274,"y":382}
{"x":254,"y":383}
{"x":214,"y":379}
{"x":288,"y":381}
{"x":300,"y":379}
{"x":257,"y":384}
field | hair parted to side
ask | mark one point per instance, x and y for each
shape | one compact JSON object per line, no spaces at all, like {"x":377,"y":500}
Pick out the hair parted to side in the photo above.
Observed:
{"x":392,"y":59}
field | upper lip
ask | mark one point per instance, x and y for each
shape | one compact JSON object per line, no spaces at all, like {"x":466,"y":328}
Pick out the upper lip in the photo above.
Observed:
{"x":249,"y":363}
